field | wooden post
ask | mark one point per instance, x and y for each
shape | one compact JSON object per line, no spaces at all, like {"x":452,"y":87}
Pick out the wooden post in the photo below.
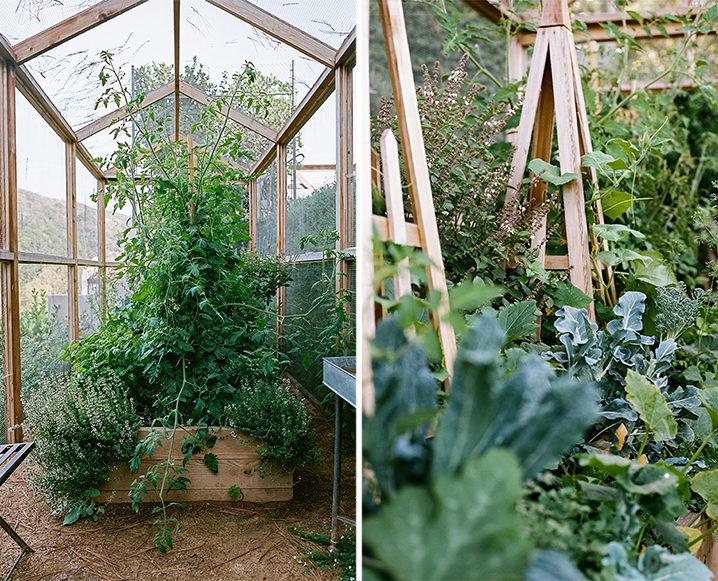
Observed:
{"x":101,"y":247}
{"x":253,"y":212}
{"x":281,"y":231}
{"x":344,"y":173}
{"x":554,"y":86}
{"x":10,"y":270}
{"x":417,"y":170}
{"x":73,"y":300}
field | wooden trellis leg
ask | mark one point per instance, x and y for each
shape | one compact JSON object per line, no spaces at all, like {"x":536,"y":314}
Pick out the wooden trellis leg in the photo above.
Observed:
{"x":417,"y":170}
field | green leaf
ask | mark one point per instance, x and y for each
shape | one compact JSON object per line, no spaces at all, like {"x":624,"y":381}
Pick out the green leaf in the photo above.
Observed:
{"x":470,"y":295}
{"x":616,"y":203}
{"x":608,"y":463}
{"x":72,"y":516}
{"x":565,"y":294}
{"x":519,"y":319}
{"x":709,"y":399}
{"x":630,"y":309}
{"x":552,"y":566}
{"x":468,"y":520}
{"x":651,"y":406}
{"x":616,"y":232}
{"x":211,"y":462}
{"x":615,"y":257}
{"x":550,"y":173}
{"x":706,"y":484}
{"x":533,"y":413}
{"x":658,"y":273}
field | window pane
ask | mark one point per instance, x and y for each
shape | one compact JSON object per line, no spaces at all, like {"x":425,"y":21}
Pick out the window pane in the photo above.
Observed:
{"x":42,"y":221}
{"x":86,"y":217}
{"x":43,"y":323}
{"x":267,"y":219}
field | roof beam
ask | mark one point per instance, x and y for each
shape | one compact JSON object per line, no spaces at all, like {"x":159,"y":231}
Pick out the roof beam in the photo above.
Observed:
{"x":348,"y":49}
{"x":106,"y":120}
{"x":71,"y":27}
{"x":314,"y":99}
{"x":278,"y":29}
{"x":237,"y":116}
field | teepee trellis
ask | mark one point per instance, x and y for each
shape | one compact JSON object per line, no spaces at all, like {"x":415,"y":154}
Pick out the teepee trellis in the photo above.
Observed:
{"x":554,"y":94}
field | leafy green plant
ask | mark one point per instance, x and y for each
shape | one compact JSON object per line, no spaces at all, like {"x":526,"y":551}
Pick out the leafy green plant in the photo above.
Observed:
{"x":81,"y":427}
{"x":457,"y":492}
{"x":343,"y":557}
{"x":632,"y":377}
{"x":277,"y":421}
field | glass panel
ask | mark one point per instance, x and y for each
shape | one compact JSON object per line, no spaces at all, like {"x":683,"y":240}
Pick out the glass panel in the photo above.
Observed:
{"x":222,"y":44}
{"x":117,"y":288}
{"x":42,"y":222}
{"x":267,"y":218}
{"x":86,"y":219}
{"x":20,"y":20}
{"x":69,"y":73}
{"x":335,"y":20}
{"x":311,"y":180}
{"x":305,"y":346}
{"x":43,"y":323}
{"x":90,"y":308}
{"x":117,"y":220}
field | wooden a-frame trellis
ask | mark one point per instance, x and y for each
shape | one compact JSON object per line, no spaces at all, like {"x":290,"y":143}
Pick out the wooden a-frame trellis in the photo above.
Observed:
{"x":554,"y":92}
{"x":423,"y":232}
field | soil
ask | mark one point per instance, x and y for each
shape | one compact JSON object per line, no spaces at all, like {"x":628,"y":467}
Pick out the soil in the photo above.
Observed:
{"x":215,"y":541}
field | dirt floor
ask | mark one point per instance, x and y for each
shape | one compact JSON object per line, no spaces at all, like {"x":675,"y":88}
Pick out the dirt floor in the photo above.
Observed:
{"x":215,"y":542}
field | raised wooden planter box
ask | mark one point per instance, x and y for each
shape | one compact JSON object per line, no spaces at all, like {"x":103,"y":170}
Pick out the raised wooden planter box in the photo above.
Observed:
{"x":238,"y":465}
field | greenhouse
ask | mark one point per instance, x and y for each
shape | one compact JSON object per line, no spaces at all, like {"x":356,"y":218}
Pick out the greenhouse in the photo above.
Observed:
{"x":538,"y":291}
{"x":177,"y":259}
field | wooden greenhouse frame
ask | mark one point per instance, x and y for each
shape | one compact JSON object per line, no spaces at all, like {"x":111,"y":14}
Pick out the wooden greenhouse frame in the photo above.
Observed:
{"x":335,"y":78}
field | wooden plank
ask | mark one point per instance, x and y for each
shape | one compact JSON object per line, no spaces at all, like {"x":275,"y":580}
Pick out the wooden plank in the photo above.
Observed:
{"x":278,"y":29}
{"x":347,"y":52}
{"x":73,"y":298}
{"x":541,"y":148}
{"x":101,"y":249}
{"x":395,"y":208}
{"x":176,"y":40}
{"x":626,"y":23}
{"x":412,"y":142}
{"x":36,"y":258}
{"x":6,"y":51}
{"x":237,"y":116}
{"x":7,"y":256}
{"x":570,"y":161}
{"x":253,"y":212}
{"x":555,"y":13}
{"x":10,"y":270}
{"x":71,"y":27}
{"x":106,"y":120}
{"x":239,"y":465}
{"x":314,"y":99}
{"x":381,"y":223}
{"x":528,"y":117}
{"x":344,"y":171}
{"x":553,"y":262}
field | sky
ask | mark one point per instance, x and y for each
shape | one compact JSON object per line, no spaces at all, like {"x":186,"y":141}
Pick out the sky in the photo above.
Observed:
{"x":68,"y":73}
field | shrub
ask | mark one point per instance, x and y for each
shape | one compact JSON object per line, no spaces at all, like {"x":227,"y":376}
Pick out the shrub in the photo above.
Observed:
{"x":79,"y":428}
{"x":272,"y":412}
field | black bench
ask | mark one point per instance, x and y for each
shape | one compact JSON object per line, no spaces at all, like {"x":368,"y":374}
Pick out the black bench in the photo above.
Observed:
{"x":11,"y":456}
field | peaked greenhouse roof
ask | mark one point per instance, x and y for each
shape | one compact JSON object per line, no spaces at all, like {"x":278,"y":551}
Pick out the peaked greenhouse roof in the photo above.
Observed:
{"x":178,"y":52}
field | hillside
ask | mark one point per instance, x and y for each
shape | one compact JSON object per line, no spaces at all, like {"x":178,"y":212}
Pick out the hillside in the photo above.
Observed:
{"x":42,"y":229}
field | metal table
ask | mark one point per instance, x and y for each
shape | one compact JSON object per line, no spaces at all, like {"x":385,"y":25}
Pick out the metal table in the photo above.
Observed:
{"x":340,"y":377}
